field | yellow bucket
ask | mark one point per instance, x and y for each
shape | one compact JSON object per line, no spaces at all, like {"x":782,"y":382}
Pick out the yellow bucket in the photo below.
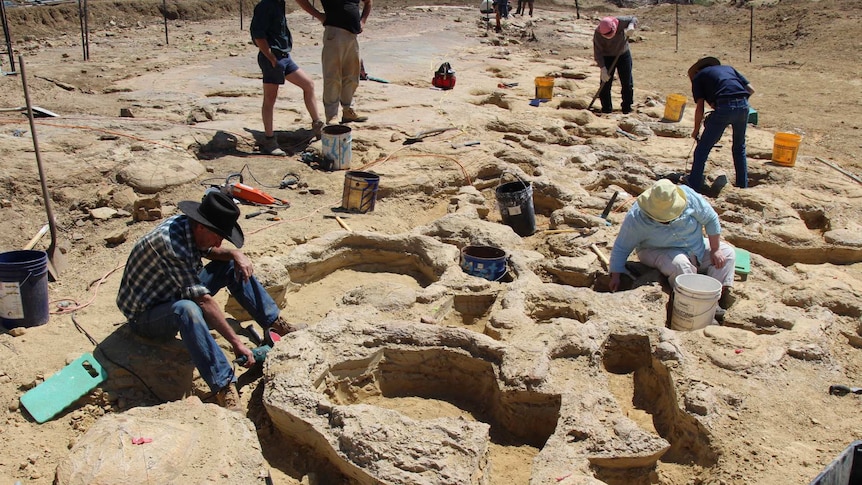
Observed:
{"x":544,"y":87}
{"x":674,"y":107}
{"x":784,"y":148}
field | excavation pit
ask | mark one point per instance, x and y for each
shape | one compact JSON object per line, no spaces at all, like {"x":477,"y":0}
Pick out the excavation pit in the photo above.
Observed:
{"x":653,"y":393}
{"x":325,"y":388}
{"x":466,"y":310}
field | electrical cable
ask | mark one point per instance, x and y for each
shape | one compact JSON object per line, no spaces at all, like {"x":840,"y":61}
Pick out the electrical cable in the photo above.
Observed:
{"x":98,"y":347}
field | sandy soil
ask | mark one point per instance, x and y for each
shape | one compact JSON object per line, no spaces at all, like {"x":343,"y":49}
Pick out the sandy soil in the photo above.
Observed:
{"x":787,"y":423}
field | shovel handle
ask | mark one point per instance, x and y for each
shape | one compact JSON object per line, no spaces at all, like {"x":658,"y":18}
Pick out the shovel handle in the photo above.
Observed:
{"x":602,"y":85}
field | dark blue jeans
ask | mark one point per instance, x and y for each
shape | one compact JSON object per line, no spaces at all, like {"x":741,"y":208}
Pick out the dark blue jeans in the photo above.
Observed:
{"x":163,"y":321}
{"x":732,"y":112}
{"x":624,"y":67}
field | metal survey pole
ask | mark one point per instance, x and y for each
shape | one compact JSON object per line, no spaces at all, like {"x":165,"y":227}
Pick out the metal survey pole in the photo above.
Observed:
{"x":577,"y":10}
{"x":8,"y":37}
{"x":240,"y":14}
{"x":751,"y":35}
{"x":87,"y":26}
{"x":83,"y":15}
{"x":165,"y":15}
{"x":677,"y":28}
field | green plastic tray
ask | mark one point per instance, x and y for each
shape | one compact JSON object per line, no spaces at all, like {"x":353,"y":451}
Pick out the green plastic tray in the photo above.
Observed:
{"x":743,"y":262}
{"x":49,"y":398}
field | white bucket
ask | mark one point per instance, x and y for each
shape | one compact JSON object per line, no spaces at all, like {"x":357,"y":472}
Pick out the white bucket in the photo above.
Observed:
{"x":694,"y":301}
{"x":336,"y":143}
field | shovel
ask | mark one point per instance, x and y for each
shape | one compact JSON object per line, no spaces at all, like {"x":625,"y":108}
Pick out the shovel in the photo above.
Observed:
{"x":425,"y":134}
{"x":602,"y":85}
{"x":56,"y":259}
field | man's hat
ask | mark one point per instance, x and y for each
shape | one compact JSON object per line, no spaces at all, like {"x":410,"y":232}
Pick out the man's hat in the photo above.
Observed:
{"x":701,"y":64}
{"x":218,"y":213}
{"x":663,"y":202}
{"x":608,"y":26}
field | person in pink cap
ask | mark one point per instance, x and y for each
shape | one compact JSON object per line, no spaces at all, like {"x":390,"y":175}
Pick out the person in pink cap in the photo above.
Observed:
{"x":612,"y":54}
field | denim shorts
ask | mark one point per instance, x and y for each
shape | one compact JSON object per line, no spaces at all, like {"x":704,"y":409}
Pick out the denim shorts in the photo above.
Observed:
{"x":275,"y":75}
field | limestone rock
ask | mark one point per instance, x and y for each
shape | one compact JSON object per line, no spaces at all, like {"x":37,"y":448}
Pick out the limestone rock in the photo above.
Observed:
{"x":160,"y":170}
{"x":103,"y":213}
{"x":147,"y":209}
{"x":191,"y":442}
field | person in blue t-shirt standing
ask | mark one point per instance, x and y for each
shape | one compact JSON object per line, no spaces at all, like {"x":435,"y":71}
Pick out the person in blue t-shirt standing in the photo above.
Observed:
{"x":727,"y":92}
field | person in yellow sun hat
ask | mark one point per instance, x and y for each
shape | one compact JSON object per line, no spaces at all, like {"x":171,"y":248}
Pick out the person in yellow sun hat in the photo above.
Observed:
{"x":666,"y":226}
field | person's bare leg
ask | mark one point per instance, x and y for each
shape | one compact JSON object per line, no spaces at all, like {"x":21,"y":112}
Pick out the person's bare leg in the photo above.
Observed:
{"x":300,"y":79}
{"x":270,"y":94}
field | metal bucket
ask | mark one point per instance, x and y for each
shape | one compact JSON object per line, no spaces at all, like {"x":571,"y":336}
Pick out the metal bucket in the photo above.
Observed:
{"x":360,"y":191}
{"x":337,"y":149}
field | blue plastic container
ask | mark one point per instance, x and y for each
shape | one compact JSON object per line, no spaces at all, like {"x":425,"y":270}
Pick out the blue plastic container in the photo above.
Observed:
{"x":484,"y":261}
{"x":23,"y":288}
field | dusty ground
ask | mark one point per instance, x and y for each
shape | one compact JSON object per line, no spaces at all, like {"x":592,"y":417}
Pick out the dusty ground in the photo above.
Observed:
{"x":787,"y":422}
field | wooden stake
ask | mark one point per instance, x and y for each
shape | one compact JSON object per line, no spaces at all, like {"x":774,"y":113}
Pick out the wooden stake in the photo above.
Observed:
{"x":602,"y":257}
{"x":343,"y":224}
{"x":37,"y":237}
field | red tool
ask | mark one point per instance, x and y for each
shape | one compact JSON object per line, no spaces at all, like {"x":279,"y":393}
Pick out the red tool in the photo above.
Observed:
{"x":249,"y":194}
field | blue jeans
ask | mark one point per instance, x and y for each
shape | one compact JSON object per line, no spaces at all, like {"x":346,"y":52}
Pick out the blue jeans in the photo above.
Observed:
{"x":733,"y":112}
{"x":624,"y":68}
{"x":163,"y":321}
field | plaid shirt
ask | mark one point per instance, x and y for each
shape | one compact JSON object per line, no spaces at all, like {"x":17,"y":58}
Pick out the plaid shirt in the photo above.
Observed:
{"x":163,"y":267}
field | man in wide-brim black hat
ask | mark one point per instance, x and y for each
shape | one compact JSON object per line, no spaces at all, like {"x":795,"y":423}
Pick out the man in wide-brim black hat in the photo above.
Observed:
{"x":166,"y":289}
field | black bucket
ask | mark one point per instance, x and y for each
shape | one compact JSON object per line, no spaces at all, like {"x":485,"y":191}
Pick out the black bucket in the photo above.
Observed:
{"x":515,"y":200}
{"x":24,"y":289}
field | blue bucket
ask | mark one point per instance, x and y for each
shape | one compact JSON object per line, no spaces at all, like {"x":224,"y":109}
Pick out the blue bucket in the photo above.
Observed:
{"x":484,"y":261}
{"x":23,"y":288}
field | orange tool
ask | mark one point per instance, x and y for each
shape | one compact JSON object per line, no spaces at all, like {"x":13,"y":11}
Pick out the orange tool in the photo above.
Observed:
{"x":248,"y":193}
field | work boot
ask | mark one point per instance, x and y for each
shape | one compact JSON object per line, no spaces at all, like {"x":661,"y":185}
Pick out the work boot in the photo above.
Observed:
{"x":270,"y":147}
{"x":282,"y":327}
{"x":317,"y":128}
{"x":349,"y":115}
{"x":724,"y":303}
{"x":726,"y":299}
{"x":228,"y":398}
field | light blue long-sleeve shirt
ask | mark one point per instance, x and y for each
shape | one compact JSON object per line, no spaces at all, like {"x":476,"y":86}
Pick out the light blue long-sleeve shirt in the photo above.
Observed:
{"x":639,"y":231}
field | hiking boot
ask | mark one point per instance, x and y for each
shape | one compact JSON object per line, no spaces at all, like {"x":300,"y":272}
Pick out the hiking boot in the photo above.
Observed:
{"x":348,"y":115}
{"x":228,"y":398}
{"x":317,"y":128}
{"x":282,"y":327}
{"x":270,"y":147}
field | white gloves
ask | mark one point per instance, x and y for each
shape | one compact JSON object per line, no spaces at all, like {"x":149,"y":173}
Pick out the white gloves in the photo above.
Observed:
{"x":605,"y":75}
